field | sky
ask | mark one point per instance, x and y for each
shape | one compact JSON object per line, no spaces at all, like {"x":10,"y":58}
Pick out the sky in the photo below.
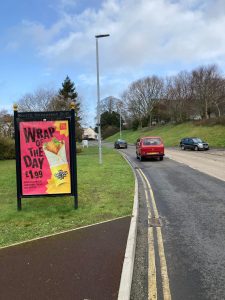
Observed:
{"x":43,"y":41}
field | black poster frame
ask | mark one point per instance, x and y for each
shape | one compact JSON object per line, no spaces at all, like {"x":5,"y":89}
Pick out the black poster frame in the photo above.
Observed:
{"x":46,"y":116}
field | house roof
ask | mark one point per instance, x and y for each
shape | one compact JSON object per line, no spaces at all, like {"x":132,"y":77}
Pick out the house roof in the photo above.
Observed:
{"x":88,"y":131}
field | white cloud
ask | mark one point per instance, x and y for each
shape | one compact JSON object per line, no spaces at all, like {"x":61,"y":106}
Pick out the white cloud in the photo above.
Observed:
{"x":87,"y":79}
{"x":145,"y":36}
{"x":142,"y":32}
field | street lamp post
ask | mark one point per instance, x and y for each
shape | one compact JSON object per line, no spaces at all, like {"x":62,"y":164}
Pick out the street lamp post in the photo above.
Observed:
{"x":120,"y":126}
{"x":119,"y":105}
{"x":98,"y":99}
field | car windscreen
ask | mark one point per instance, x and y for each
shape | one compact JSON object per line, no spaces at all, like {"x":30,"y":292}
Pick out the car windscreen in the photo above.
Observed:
{"x":121,"y":141}
{"x":197,"y":140}
{"x":151,"y":141}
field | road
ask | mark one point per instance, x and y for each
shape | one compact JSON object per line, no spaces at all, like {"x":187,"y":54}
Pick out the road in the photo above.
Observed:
{"x":183,"y":236}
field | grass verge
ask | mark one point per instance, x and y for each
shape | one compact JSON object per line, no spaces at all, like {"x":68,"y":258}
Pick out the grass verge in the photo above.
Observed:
{"x":172,"y":134}
{"x":105,"y":192}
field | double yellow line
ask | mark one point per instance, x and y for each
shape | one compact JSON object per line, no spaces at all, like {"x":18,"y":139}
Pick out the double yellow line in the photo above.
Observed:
{"x":153,"y":217}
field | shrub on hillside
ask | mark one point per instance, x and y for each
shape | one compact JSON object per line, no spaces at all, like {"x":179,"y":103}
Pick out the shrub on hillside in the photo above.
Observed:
{"x":108,"y":131}
{"x":135,"y":124}
{"x":7,"y":148}
{"x":211,"y":122}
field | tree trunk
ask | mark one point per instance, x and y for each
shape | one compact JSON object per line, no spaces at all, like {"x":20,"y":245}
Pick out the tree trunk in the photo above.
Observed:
{"x":218,"y":109}
{"x":206,"y":110}
{"x":150,"y":121}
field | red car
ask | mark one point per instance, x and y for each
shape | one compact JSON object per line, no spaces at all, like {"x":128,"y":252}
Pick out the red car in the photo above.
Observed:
{"x":150,"y":146}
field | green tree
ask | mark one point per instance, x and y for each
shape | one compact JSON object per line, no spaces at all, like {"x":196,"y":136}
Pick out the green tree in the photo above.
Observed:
{"x":68,"y":90}
{"x":67,"y":94}
{"x":110,"y":123}
{"x":110,"y":118}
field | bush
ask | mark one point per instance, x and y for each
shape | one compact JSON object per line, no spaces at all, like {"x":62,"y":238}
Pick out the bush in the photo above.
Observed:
{"x":79,"y":148}
{"x":211,"y":121}
{"x":7,"y":148}
{"x":135,"y":124}
{"x":108,"y":131}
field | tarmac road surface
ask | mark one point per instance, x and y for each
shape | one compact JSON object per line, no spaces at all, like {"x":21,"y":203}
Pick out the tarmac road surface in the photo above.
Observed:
{"x":191,"y":210}
{"x":77,"y":265}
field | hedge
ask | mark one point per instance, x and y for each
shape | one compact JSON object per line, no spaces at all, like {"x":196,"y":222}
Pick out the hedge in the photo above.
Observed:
{"x":7,"y":148}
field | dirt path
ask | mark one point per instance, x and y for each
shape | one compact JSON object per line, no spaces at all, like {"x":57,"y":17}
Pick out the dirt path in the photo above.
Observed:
{"x":211,"y":162}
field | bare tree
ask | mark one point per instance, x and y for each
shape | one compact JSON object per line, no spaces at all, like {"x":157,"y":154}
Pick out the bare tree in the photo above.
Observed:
{"x":39,"y":100}
{"x":205,"y":88}
{"x":200,"y":92}
{"x":178,"y":96}
{"x":109,"y":104}
{"x":133,"y":104}
{"x":218,"y":99}
{"x":6,"y":124}
{"x":142,"y":95}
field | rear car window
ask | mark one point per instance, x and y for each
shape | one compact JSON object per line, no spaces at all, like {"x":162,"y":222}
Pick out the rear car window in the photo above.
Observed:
{"x":151,"y":141}
{"x":197,"y":140}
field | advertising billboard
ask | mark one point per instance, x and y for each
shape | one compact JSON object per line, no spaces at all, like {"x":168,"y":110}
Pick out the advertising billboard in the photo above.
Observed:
{"x":46,"y":162}
{"x":45,"y":157}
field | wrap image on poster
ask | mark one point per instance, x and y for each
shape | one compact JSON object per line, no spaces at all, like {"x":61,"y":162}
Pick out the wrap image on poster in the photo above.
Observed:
{"x":45,"y":157}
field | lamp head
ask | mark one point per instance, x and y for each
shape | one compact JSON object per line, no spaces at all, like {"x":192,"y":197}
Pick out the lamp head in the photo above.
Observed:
{"x":101,"y":35}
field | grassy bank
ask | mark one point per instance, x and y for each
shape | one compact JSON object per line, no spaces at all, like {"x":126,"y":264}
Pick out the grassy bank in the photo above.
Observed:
{"x":171,"y":134}
{"x":105,"y":192}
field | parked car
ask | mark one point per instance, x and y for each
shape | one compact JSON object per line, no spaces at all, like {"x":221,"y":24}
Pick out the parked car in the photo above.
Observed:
{"x":193,"y":143}
{"x":150,"y":146}
{"x":120,"y":144}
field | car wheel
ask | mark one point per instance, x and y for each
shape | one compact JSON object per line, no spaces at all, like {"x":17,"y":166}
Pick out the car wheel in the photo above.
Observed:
{"x":182,"y":147}
{"x":196,"y":148}
{"x":161,"y":158}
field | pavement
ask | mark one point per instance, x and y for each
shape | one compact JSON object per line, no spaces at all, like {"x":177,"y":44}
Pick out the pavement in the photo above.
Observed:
{"x":94,"y":262}
{"x":79,"y":264}
{"x":208,"y":162}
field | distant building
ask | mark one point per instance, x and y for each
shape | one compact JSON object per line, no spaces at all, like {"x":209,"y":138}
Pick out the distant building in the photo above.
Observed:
{"x":89,"y":134}
{"x":195,"y":117}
